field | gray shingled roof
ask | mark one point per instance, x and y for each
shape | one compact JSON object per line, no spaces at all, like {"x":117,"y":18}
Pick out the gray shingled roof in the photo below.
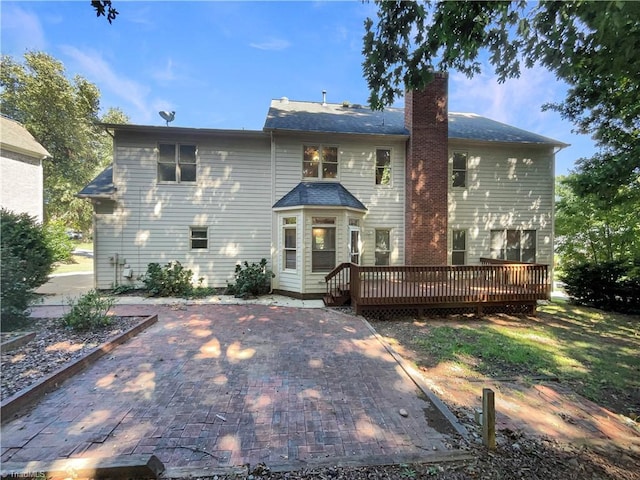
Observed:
{"x":101,"y":186}
{"x":14,"y":137}
{"x":469,"y":126}
{"x":287,"y":115}
{"x":325,"y":194}
{"x":333,"y":118}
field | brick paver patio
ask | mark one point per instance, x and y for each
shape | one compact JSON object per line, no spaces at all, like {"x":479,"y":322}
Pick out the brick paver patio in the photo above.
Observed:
{"x":212,"y":386}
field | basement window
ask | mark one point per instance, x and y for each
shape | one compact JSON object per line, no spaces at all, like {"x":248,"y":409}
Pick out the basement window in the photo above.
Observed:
{"x":199,"y":238}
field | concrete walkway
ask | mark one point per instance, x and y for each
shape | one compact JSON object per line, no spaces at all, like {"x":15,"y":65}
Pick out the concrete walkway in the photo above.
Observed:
{"x":224,"y":385}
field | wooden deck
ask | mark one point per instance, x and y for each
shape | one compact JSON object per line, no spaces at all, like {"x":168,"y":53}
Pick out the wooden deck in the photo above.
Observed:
{"x":494,"y":283}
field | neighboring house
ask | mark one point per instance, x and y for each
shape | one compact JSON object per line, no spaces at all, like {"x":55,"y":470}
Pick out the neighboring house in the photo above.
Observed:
{"x":21,"y":177}
{"x":323,"y":184}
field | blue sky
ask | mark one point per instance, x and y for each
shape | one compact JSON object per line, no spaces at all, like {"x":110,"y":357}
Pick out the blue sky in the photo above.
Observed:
{"x":219,"y":64}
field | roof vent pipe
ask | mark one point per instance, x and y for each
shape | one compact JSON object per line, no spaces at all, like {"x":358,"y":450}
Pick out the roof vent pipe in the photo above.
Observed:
{"x":324,"y":97}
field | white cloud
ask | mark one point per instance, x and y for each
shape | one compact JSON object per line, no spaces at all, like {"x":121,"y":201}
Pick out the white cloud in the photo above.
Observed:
{"x":167,"y":74}
{"x":96,"y":69}
{"x":271,"y":44}
{"x":23,"y":28}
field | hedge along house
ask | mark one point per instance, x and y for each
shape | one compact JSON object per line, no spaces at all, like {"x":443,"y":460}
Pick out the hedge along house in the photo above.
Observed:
{"x":320,"y":185}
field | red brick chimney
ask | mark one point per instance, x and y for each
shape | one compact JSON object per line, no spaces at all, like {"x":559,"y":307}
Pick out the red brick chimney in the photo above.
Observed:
{"x":426,"y":118}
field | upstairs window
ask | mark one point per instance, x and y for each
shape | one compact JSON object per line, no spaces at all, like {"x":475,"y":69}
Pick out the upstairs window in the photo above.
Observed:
{"x":459,"y":169}
{"x":383,"y":167}
{"x":320,"y":162}
{"x":176,"y":163}
{"x":517,"y":245}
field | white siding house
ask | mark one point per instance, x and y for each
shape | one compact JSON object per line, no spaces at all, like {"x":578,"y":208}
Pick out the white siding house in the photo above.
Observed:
{"x":21,"y":177}
{"x":320,"y":185}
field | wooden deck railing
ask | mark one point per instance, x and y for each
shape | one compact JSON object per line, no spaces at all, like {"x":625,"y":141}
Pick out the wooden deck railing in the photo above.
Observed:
{"x":339,"y":280}
{"x":441,"y":286}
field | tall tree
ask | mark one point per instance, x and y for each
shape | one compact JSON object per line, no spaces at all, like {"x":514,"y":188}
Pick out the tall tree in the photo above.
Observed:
{"x":62,"y":115}
{"x":592,"y":46}
{"x":591,"y":231}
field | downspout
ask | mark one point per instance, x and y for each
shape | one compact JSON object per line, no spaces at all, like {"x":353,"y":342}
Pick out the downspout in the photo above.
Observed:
{"x":115,"y":269}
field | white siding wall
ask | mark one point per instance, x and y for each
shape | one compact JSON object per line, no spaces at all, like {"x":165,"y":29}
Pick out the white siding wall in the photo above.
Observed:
{"x":508,"y":187}
{"x":232,"y":197}
{"x":356,"y":172}
{"x":22,"y":184}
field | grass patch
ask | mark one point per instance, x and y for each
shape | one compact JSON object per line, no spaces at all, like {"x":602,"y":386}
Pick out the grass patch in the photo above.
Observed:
{"x":595,"y":352}
{"x":77,"y":264}
{"x":82,"y":245}
{"x":494,"y":351}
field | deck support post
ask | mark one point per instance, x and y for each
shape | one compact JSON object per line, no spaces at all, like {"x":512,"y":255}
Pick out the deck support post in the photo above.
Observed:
{"x":479,"y":310}
{"x":488,"y":419}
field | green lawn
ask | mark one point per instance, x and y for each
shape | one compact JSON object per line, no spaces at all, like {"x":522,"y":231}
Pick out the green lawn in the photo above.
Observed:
{"x":597,"y":353}
{"x":77,"y":263}
{"x":82,"y":245}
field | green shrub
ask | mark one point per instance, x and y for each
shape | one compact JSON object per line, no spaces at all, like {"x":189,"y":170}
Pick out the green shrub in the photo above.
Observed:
{"x":122,"y":288}
{"x":172,"y":280}
{"x":60,"y":245}
{"x":15,"y":295}
{"x":611,"y":286}
{"x":252,"y":280}
{"x":201,"y":291}
{"x":89,"y":311}
{"x":23,"y":238}
{"x":25,"y":264}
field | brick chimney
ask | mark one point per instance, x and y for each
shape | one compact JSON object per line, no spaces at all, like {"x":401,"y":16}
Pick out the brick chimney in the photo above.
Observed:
{"x":426,"y":118}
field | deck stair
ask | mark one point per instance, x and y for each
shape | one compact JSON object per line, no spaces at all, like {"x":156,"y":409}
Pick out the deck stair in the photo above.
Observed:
{"x":338,"y":296}
{"x":338,"y":286}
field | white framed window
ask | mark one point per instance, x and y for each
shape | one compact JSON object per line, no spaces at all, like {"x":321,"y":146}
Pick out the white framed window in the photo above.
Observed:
{"x":459,"y":247}
{"x":177,"y":163}
{"x":199,"y":238}
{"x":323,"y":244}
{"x":517,"y":245}
{"x":383,"y":166}
{"x":383,"y":246}
{"x":320,"y":161}
{"x":355,"y":245}
{"x":459,"y":171}
{"x":290,"y":240}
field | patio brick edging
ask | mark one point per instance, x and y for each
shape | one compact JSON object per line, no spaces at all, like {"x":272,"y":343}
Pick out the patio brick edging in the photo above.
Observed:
{"x":417,"y":378}
{"x":12,"y":405}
